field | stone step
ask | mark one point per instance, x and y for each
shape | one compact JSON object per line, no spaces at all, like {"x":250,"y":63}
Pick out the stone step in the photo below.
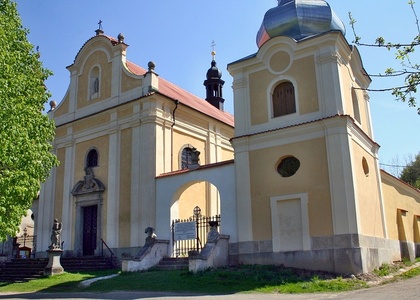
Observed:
{"x":171,"y":263}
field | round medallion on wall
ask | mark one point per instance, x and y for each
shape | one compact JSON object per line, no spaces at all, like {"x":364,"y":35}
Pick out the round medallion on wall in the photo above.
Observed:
{"x":280,"y":61}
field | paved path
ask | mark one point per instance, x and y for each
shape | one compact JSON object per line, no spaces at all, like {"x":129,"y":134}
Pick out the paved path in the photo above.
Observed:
{"x":401,"y":290}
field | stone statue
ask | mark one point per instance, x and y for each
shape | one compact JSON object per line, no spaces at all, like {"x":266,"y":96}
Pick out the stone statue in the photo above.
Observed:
{"x":151,"y":236}
{"x":89,"y":184}
{"x":56,"y":235}
{"x":213,"y":234}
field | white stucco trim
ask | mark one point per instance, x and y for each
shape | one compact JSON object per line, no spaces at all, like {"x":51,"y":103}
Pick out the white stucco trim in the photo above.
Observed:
{"x":68,"y":204}
{"x":112,"y":212}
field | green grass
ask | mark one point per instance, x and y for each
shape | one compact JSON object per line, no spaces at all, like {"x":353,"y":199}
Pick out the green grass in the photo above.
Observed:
{"x":246,"y":279}
{"x":385,"y":270}
{"x":66,"y":282}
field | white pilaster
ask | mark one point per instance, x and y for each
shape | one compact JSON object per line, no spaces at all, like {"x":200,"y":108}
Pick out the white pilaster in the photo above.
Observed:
{"x":343,"y":201}
{"x":45,"y":217}
{"x":243,"y":196}
{"x":135,"y":187}
{"x":112,"y":213}
{"x":67,"y":212}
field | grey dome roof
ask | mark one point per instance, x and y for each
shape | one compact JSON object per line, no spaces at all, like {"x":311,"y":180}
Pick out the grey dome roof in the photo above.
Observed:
{"x":298,"y":19}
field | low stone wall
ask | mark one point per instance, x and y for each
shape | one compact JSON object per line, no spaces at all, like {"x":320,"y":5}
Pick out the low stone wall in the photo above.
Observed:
{"x":149,"y":256}
{"x":213,"y":255}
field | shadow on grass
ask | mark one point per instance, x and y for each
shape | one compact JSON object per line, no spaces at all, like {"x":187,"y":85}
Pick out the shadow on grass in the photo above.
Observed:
{"x":225,"y":281}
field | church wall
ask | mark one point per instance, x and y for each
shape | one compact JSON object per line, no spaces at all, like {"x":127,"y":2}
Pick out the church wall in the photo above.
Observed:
{"x":311,"y":178}
{"x":258,"y":82}
{"x":402,"y":208}
{"x":350,"y":89}
{"x":368,"y":192}
{"x":125,"y":188}
{"x":91,"y":122}
{"x":98,"y":58}
{"x":192,"y":197}
{"x":101,"y":171}
{"x":128,"y":83}
{"x":124,"y":112}
{"x":63,"y":107}
{"x":60,"y":132}
{"x":302,"y":71}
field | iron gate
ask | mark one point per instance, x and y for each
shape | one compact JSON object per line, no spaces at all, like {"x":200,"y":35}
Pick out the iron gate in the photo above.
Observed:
{"x":182,"y":247}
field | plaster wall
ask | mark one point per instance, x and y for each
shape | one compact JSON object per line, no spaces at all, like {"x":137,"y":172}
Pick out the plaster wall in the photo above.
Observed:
{"x":301,"y":71}
{"x":105,"y":80}
{"x":311,"y":178}
{"x":368,"y":194}
{"x":402,"y":207}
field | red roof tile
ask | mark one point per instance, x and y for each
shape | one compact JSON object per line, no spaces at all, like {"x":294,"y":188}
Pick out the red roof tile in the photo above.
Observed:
{"x":177,"y":93}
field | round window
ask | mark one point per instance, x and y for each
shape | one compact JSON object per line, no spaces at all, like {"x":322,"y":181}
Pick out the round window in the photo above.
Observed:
{"x":288,"y":166}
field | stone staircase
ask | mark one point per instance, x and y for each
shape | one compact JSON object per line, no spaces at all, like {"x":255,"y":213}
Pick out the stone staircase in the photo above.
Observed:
{"x":90,"y":263}
{"x":172,"y":263}
{"x":22,"y":270}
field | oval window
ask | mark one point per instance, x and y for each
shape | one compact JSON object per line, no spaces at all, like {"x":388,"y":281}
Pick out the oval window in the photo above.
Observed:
{"x":288,"y":166}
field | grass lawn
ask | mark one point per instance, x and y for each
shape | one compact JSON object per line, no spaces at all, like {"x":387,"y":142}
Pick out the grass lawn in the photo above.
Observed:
{"x":247,"y":279}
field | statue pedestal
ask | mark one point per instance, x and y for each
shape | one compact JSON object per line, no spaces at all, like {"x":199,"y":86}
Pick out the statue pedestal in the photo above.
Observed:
{"x":54,"y":265}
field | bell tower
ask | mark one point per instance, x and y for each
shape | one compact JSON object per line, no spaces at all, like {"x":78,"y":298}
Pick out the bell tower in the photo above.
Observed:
{"x":307,"y":172}
{"x":214,"y":84}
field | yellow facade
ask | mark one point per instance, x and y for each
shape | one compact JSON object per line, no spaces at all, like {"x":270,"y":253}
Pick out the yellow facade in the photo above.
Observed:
{"x":311,"y":178}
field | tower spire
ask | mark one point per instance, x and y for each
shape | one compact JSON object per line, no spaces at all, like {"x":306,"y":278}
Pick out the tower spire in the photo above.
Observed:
{"x":214,"y":83}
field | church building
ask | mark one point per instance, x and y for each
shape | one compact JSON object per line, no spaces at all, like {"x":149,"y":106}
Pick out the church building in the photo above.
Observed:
{"x":294,"y":175}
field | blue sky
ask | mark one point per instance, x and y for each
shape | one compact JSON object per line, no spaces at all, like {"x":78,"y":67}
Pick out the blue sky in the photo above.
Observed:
{"x":177,"y":36}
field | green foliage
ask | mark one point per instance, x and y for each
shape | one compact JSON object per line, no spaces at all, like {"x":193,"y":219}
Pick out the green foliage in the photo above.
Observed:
{"x":25,"y":133}
{"x":410,"y":71}
{"x":385,"y":270}
{"x":411,"y":173}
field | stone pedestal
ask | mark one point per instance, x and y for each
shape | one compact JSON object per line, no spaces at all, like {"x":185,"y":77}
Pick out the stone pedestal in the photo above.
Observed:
{"x":54,"y":265}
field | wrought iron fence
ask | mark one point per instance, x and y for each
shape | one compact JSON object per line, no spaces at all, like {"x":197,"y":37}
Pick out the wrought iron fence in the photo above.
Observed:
{"x":181,"y":248}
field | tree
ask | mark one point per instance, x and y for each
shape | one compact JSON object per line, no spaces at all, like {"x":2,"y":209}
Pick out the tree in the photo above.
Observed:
{"x":410,"y":70}
{"x":411,"y":173}
{"x":25,"y":132}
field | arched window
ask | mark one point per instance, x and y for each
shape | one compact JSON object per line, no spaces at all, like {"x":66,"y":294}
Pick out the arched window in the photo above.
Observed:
{"x":189,"y":157}
{"x":92,"y":159}
{"x":284,"y":102}
{"x":94,"y":83}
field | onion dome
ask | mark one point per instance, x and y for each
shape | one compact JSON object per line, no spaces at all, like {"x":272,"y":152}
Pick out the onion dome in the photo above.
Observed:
{"x":214,"y":72}
{"x":214,"y":85}
{"x":298,"y":19}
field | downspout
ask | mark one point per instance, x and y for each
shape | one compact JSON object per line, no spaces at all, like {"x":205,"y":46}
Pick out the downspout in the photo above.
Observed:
{"x":172,"y":134}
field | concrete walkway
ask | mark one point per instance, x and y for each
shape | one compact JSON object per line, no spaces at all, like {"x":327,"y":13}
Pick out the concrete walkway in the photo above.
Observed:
{"x":401,"y":290}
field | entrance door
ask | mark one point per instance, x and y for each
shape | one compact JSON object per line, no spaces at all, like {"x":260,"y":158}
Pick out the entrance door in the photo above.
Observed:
{"x":90,"y":214}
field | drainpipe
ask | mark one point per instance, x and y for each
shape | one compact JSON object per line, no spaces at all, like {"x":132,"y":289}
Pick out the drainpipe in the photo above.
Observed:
{"x":172,"y":134}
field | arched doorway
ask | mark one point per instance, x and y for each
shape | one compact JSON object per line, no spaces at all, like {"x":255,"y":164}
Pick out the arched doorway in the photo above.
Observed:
{"x":170,"y":191}
{"x":88,"y":193}
{"x":193,"y":213}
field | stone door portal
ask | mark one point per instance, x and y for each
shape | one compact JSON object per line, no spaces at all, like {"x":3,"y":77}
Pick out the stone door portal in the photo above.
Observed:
{"x":90,"y":228}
